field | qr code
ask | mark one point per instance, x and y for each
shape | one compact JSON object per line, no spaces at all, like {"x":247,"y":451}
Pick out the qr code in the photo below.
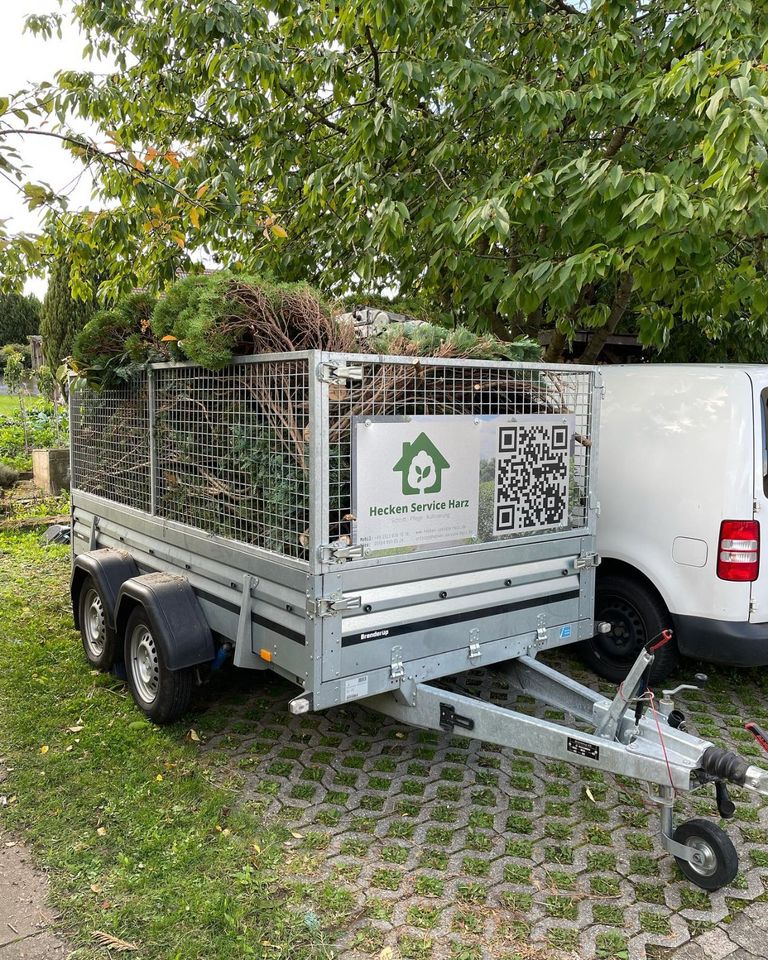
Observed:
{"x":532,"y":463}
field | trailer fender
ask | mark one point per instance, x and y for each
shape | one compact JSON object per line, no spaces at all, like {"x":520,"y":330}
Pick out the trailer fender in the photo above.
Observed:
{"x":109,"y":570}
{"x":178,"y":624}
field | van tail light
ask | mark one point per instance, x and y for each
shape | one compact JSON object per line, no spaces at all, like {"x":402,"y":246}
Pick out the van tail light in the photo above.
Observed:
{"x":738,"y":553}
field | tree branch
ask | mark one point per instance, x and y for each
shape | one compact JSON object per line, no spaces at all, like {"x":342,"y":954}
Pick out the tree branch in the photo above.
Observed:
{"x":375,"y":55}
{"x":620,"y":303}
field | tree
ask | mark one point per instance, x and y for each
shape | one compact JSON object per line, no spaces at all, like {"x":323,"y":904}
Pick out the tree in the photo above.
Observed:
{"x":19,"y":318}
{"x":62,"y":317}
{"x":521,"y":164}
{"x":18,"y":379}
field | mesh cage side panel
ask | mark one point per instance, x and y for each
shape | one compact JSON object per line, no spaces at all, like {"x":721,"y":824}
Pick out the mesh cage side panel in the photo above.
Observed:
{"x":110,"y":443}
{"x":457,"y":388}
{"x":232,"y":447}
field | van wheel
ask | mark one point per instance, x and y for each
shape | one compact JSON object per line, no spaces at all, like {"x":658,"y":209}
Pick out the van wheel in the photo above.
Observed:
{"x":162,"y":694}
{"x":99,"y":642}
{"x":637,"y":615}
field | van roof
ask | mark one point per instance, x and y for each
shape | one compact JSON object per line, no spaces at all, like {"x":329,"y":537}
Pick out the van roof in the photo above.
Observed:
{"x":748,"y":367}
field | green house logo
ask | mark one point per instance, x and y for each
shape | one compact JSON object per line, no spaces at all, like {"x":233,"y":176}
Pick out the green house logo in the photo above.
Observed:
{"x":421,"y":467}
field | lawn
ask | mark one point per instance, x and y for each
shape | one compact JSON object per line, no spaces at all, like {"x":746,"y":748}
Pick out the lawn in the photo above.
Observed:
{"x":139,"y":839}
{"x":9,"y":404}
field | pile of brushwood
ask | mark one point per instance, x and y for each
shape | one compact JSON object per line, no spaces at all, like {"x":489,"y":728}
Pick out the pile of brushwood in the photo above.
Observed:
{"x":211,"y":318}
{"x":232,"y":447}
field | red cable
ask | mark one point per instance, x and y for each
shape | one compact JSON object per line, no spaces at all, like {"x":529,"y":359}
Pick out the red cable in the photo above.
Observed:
{"x":661,"y":739}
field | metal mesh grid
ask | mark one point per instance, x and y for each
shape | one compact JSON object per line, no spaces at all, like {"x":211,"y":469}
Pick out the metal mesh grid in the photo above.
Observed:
{"x":110,"y":443}
{"x":458,"y":387}
{"x":231,"y":452}
{"x":230,"y":449}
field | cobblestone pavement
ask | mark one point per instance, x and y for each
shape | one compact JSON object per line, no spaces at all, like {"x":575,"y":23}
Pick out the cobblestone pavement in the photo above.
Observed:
{"x":452,"y":848}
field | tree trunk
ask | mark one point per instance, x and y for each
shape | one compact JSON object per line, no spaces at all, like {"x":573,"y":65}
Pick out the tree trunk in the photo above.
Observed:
{"x":554,"y":351}
{"x":620,"y":304}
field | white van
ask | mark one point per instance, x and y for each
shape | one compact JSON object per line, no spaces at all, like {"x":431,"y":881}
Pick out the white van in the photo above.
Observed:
{"x":683,"y":481}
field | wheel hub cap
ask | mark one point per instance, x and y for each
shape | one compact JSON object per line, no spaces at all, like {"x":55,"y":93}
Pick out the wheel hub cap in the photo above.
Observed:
{"x":94,"y":623}
{"x":145,"y":664}
{"x":704,"y":860}
{"x":627,"y":633}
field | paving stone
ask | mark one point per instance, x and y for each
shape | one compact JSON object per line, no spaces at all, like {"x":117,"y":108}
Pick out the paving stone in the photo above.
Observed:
{"x":690,"y":951}
{"x":716,"y":944}
{"x":489,"y":847}
{"x":746,"y":934}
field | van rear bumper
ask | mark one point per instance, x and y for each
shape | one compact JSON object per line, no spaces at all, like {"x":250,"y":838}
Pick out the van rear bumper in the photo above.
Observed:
{"x":739,"y":644}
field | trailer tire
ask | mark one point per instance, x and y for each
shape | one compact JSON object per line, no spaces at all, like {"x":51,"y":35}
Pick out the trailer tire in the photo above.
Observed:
{"x":638,"y":615}
{"x":721,"y":862}
{"x":99,"y":640}
{"x":162,"y":694}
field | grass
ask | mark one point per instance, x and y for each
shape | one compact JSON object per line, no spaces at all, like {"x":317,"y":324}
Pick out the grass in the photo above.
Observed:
{"x":140,"y":842}
{"x":9,"y":404}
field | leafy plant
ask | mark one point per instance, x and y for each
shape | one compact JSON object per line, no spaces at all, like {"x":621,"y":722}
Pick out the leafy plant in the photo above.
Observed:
{"x":536,"y":165}
{"x":22,"y":349}
{"x":38,"y":429}
{"x":117,"y":342}
{"x":17,"y":379}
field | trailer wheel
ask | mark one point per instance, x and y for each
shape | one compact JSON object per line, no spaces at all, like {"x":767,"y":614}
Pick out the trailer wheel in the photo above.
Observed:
{"x":99,"y":642}
{"x":162,"y":694}
{"x":719,"y":861}
{"x":637,"y":615}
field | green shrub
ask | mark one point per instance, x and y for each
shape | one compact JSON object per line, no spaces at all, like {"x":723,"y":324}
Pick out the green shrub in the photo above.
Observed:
{"x":197,"y":312}
{"x":22,"y":349}
{"x":115,"y":342}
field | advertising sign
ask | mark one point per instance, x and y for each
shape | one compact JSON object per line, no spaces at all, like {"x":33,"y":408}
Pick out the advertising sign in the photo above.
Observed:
{"x":416,"y":481}
{"x":430,"y":481}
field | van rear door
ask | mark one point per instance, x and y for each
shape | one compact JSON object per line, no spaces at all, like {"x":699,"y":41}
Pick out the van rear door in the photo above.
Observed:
{"x":758,"y":612}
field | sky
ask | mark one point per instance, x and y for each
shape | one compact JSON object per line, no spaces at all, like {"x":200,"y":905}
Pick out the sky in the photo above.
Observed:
{"x":26,"y":59}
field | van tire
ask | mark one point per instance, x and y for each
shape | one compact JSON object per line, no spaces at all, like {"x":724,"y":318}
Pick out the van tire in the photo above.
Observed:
{"x":163,"y":695}
{"x":638,"y":615}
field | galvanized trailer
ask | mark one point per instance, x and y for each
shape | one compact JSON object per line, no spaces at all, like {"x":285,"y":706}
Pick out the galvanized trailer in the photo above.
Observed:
{"x":366,"y":526}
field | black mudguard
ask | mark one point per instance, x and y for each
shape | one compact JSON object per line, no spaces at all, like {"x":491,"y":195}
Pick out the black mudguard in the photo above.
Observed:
{"x":177,"y":621}
{"x":109,"y":570}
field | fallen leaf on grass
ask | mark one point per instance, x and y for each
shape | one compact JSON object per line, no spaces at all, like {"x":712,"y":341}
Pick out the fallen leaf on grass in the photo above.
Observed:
{"x":75,"y":729}
{"x":44,"y":749}
{"x":387,"y":954}
{"x":194,"y":736}
{"x":102,"y":831}
{"x":590,"y":795}
{"x":113,"y":943}
{"x":96,"y":888}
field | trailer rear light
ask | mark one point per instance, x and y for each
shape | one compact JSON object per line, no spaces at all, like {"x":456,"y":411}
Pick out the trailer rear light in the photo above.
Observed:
{"x":738,"y":553}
